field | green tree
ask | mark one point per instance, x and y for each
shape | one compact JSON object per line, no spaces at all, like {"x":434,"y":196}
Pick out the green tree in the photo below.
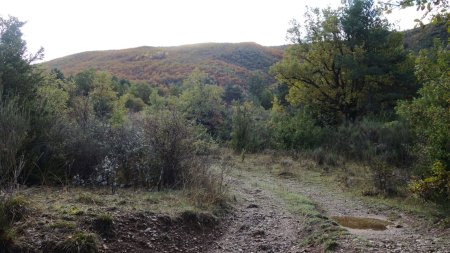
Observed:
{"x":103,"y":95}
{"x":346,"y":63}
{"x":17,"y":75}
{"x":141,"y":91}
{"x":429,"y":114}
{"x":201,"y":102}
{"x":232,"y":93}
{"x":250,"y":128}
{"x":84,"y":81}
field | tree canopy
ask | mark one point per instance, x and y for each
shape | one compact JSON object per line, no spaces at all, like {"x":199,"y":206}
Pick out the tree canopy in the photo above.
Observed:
{"x":348,"y":62}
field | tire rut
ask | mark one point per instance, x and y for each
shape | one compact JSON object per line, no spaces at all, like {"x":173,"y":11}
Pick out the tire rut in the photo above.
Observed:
{"x":260,"y":223}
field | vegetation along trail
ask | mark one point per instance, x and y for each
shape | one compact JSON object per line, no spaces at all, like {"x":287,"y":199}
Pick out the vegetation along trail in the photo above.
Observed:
{"x":289,"y":213}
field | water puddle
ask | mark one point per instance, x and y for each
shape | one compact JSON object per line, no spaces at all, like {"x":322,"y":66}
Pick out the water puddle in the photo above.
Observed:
{"x":361,"y":222}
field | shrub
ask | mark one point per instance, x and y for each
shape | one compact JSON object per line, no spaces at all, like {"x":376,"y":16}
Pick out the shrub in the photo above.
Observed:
{"x":206,"y":184}
{"x":369,"y":140}
{"x":324,"y":157}
{"x":297,"y":130}
{"x":14,"y":127}
{"x":250,"y":128}
{"x":434,"y":188}
{"x":170,"y":140}
{"x":13,"y":209}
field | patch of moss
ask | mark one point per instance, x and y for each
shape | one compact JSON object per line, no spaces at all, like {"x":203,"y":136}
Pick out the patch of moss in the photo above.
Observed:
{"x":75,"y":211}
{"x":62,"y":224}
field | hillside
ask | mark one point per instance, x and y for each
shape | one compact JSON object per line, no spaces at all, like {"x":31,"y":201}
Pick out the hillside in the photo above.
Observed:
{"x":422,"y":37}
{"x":226,"y":63}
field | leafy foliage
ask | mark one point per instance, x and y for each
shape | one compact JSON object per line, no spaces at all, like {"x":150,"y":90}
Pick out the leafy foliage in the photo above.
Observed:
{"x":17,"y":75}
{"x":429,"y":114}
{"x":435,"y":187}
{"x":339,"y":67}
{"x":250,"y":129}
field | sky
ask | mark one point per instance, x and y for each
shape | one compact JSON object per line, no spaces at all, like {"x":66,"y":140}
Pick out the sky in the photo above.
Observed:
{"x":66,"y":27}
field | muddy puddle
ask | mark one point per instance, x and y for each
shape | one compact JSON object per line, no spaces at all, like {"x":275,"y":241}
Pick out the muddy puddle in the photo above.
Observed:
{"x":361,"y":222}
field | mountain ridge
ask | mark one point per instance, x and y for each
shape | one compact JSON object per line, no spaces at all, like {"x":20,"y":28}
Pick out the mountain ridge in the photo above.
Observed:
{"x":226,"y":63}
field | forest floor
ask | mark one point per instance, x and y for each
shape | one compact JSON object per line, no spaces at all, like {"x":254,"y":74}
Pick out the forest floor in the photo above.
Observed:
{"x":277,"y":204}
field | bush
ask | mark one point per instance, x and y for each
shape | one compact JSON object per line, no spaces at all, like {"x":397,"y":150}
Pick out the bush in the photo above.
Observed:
{"x":297,"y":130}
{"x":250,"y":128}
{"x":369,"y":140}
{"x":171,"y":141}
{"x":434,"y":188}
{"x":13,"y":209}
{"x":206,"y":184}
{"x":14,"y":127}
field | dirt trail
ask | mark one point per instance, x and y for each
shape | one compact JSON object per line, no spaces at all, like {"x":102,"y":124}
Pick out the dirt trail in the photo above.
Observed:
{"x":260,"y":223}
{"x":263,"y":224}
{"x":406,"y":234}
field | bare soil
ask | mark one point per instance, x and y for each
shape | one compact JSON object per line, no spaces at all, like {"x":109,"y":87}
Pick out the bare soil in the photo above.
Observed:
{"x":271,"y":228}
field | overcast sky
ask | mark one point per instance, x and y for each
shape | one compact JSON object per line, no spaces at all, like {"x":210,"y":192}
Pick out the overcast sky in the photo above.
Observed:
{"x":70,"y":26}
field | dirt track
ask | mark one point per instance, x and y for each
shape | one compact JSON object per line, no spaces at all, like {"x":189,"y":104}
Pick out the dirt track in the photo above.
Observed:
{"x":262,"y":222}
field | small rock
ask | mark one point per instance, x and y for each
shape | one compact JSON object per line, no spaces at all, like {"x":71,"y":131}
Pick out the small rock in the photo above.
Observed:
{"x":253,"y":206}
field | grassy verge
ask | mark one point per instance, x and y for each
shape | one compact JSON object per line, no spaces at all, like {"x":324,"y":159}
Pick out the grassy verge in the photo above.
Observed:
{"x":81,"y":216}
{"x":320,"y":231}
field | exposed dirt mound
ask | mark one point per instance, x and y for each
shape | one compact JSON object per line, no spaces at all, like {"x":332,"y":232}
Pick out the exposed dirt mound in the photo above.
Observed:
{"x":138,"y":232}
{"x":191,"y":232}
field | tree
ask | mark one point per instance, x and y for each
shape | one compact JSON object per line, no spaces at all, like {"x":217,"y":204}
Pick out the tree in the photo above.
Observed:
{"x":232,"y":93}
{"x":17,"y":75}
{"x":429,"y":114}
{"x":141,"y":91}
{"x":437,"y":8}
{"x":250,"y":128}
{"x":346,"y":62}
{"x":103,"y":95}
{"x":202,"y":102}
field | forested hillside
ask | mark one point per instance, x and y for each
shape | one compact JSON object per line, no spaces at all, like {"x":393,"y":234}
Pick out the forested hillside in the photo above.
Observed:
{"x":226,"y":63}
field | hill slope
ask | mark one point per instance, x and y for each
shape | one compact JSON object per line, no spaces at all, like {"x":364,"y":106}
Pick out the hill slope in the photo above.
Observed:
{"x":422,"y":37}
{"x":226,"y":63}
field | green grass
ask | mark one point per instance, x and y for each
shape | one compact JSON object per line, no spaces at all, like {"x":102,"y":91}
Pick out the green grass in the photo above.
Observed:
{"x":324,"y":232}
{"x":79,"y":242}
